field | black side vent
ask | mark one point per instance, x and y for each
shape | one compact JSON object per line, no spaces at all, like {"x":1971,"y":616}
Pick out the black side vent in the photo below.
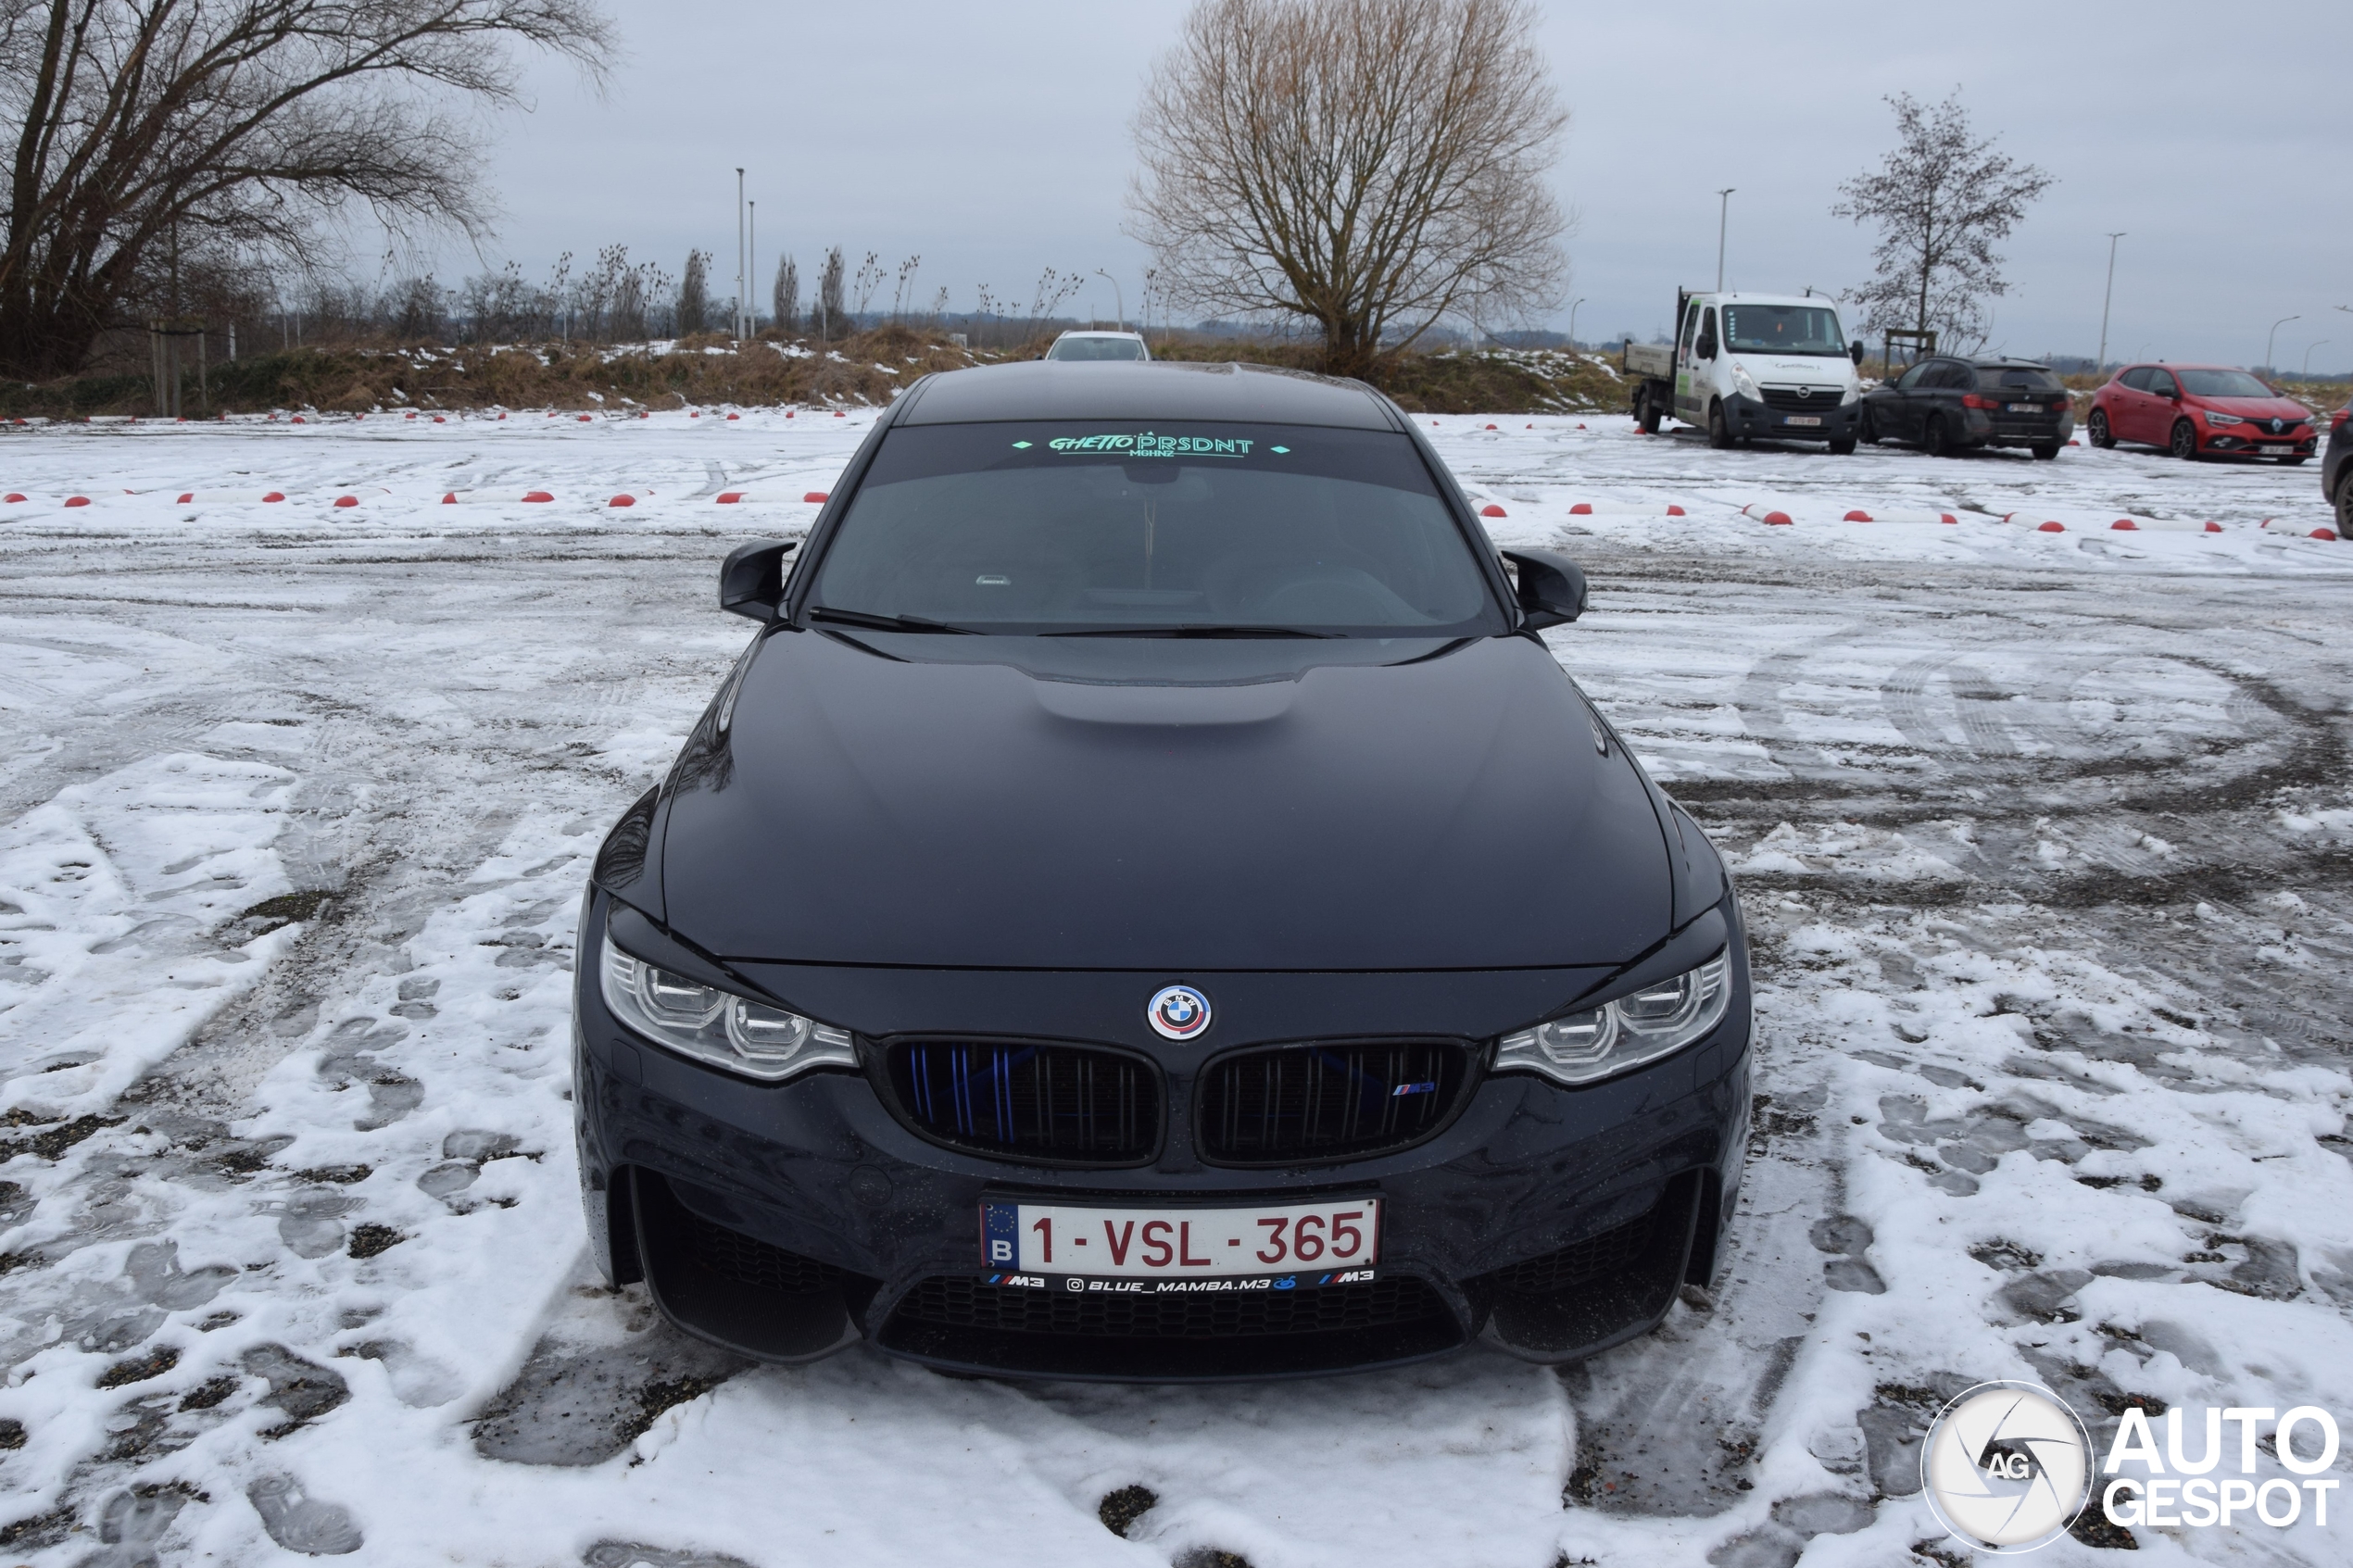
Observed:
{"x":1298,"y":1103}
{"x":1056,"y":1104}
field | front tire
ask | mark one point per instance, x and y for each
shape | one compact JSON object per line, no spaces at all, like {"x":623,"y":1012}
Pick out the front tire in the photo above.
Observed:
{"x":1938,"y":442}
{"x":1867,"y":432}
{"x":1841,"y":448}
{"x":2044,"y":450}
{"x":2097,"y":429}
{"x":2344,"y":505}
{"x":2183,"y":442}
{"x":1646,"y":413}
{"x":1720,"y":429}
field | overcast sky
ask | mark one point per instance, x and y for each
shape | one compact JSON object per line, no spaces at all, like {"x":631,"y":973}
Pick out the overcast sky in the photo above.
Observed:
{"x":993,"y":141}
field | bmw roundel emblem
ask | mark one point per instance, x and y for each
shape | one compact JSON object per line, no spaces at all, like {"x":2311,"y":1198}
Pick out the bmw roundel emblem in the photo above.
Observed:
{"x":1178,"y":1013}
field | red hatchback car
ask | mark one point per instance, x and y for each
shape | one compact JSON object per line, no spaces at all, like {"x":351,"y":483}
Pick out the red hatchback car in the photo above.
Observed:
{"x":2197,"y":410}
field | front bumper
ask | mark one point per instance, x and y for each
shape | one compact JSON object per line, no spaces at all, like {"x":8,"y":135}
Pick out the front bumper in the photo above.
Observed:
{"x":2246,"y":442}
{"x":788,"y":1220}
{"x":1839,"y":421}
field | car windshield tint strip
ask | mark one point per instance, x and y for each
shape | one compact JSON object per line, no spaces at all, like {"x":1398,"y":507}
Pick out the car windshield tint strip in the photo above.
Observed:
{"x":1059,"y":526}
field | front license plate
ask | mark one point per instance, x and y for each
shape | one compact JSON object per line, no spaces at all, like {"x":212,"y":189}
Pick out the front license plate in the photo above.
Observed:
{"x":2277,"y":451}
{"x":1173,"y":1243}
{"x":1803,"y":419}
{"x":2025,"y":407}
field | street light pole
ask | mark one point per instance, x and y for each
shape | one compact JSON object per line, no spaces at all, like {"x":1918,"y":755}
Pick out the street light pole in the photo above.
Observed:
{"x":739,"y":254}
{"x":2306,"y":373}
{"x":1572,"y":321}
{"x":2106,"y":299}
{"x":1119,"y":301}
{"x":1723,"y":218}
{"x":751,"y":267}
{"x":2274,"y":338}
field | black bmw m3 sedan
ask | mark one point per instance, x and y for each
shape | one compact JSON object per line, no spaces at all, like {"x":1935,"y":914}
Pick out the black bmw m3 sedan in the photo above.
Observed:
{"x":1148,"y":905}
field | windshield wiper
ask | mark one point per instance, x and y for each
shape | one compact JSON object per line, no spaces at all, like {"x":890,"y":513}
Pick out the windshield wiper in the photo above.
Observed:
{"x":1193,"y":632}
{"x":882,"y":622}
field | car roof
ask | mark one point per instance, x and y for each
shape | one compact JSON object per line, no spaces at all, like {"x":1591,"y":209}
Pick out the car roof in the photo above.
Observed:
{"x":1098,"y":331}
{"x":1048,"y":389}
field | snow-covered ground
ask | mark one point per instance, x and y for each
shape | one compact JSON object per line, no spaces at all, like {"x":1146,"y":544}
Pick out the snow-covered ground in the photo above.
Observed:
{"x":2043,"y":838}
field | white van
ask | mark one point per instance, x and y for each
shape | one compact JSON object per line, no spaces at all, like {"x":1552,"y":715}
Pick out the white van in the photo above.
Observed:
{"x":1742,"y":364}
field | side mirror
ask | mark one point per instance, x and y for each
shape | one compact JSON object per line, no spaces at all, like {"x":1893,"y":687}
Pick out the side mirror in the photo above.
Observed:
{"x":1855,"y":352}
{"x":1706,"y":346}
{"x":752,"y":582}
{"x":1552,"y":587}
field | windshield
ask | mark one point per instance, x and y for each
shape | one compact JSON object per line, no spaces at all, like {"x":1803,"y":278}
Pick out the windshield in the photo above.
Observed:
{"x":2030,"y":379}
{"x":1783,"y":329}
{"x":2223,"y":384}
{"x":1180,"y":529}
{"x":1097,"y":348}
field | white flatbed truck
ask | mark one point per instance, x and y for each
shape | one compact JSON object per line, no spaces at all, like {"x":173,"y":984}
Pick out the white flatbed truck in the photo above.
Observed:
{"x":1770,"y":366}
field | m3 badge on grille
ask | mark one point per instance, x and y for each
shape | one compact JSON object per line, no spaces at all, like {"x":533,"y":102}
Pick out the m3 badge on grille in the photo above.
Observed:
{"x":1178,"y":1013}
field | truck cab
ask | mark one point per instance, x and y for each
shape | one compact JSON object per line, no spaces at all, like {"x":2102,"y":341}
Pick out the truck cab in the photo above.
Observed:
{"x":1749,"y":365}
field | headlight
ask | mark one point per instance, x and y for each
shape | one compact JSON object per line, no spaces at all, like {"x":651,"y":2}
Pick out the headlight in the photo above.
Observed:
{"x":1603,"y":1042}
{"x":717,"y":1026}
{"x":1852,"y":395}
{"x":1745,"y":384}
{"x":2214,"y":419}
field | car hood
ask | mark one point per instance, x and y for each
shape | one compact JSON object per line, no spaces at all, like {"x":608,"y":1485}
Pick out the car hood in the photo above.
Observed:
{"x":2259,"y":408}
{"x":1798,"y":372}
{"x":927,"y":801}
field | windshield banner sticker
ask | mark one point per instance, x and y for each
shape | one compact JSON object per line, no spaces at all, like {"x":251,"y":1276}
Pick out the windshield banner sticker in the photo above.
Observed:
{"x":1144,"y":444}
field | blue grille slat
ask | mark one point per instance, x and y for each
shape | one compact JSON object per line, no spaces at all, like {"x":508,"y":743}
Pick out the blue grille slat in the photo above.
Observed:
{"x":1067,"y":1104}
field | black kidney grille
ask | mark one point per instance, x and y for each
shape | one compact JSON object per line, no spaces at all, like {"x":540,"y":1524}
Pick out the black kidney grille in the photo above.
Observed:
{"x":1063,"y":1103}
{"x":748,"y":1260}
{"x":973,"y":1304}
{"x":1597,"y":1257}
{"x":1328,"y":1101}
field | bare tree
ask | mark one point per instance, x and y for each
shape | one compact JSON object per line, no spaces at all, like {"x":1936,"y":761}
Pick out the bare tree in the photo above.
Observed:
{"x":869,"y":275}
{"x":1941,"y":200}
{"x":829,"y":295}
{"x":1358,"y":166}
{"x":238,"y":123}
{"x":694,"y":294}
{"x":784,"y":299}
{"x":904,"y":294}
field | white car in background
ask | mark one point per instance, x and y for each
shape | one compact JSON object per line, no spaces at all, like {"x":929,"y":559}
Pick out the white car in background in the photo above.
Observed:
{"x":1100,"y":346}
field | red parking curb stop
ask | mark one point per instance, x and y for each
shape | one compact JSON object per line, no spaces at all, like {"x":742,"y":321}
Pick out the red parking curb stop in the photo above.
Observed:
{"x":2125,"y":525}
{"x":347,"y":500}
{"x":622,"y":501}
{"x":1492,"y":509}
{"x":816,"y":498}
{"x":1857,"y":515}
{"x":729,"y":498}
{"x":76,"y":500}
{"x":538,"y":495}
{"x":2050,"y":528}
{"x":1779,"y":519}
